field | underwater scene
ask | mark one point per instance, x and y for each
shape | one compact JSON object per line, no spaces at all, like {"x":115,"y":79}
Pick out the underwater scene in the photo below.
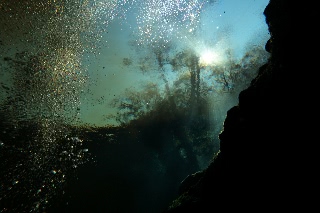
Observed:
{"x":108,"y":105}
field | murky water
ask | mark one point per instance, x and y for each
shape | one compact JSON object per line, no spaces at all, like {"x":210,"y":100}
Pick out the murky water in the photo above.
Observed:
{"x":108,"y":105}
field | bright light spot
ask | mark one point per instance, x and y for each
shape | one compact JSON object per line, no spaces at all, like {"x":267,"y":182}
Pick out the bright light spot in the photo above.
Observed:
{"x":208,"y":57}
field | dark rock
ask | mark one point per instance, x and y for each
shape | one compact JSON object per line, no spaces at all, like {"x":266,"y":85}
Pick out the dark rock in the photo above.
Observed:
{"x":268,"y":147}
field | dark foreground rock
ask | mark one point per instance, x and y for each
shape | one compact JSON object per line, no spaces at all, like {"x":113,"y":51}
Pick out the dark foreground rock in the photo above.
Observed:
{"x":268,"y":157}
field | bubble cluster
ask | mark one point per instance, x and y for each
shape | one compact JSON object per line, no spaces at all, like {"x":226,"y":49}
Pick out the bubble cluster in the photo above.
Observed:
{"x":36,"y":167}
{"x":155,"y":22}
{"x":42,"y":47}
{"x":45,"y":58}
{"x":163,"y":21}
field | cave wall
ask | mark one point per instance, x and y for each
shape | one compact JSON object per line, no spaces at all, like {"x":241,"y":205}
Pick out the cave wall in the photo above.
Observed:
{"x":268,"y":147}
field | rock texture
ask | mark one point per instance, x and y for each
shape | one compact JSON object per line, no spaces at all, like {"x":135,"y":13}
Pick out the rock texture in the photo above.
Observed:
{"x":268,"y":157}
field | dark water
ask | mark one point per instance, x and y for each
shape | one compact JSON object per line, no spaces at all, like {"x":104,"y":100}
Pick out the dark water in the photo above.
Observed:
{"x":135,"y":168}
{"x":126,"y":177}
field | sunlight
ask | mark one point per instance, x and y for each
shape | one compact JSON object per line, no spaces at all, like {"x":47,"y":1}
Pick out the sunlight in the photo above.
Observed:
{"x":208,"y":57}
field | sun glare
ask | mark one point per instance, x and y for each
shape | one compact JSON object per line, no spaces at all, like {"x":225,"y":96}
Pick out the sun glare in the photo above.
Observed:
{"x":208,"y":57}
